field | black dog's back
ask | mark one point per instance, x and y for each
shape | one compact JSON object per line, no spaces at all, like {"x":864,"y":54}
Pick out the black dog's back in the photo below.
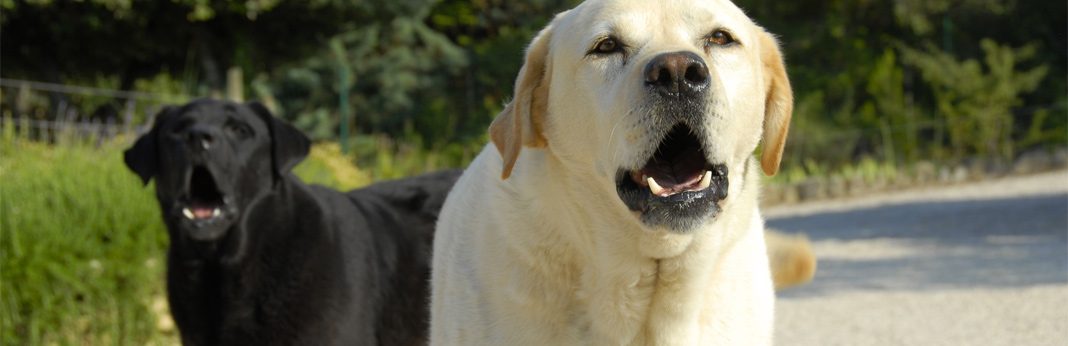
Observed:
{"x":418,"y":198}
{"x":402,"y":215}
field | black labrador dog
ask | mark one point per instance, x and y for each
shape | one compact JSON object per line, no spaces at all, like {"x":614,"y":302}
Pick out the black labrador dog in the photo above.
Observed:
{"x":257,"y":257}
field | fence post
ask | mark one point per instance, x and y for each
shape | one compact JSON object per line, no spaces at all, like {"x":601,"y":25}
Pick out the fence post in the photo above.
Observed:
{"x":127,"y":117}
{"x":150,"y":119}
{"x":235,"y":85}
{"x":22,"y":100}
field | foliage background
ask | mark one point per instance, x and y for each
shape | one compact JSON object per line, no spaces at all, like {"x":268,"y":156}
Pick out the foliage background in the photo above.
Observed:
{"x":879,"y":86}
{"x":899,"y":81}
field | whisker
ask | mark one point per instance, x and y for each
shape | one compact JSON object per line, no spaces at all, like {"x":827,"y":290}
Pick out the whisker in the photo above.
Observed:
{"x":612,"y":134}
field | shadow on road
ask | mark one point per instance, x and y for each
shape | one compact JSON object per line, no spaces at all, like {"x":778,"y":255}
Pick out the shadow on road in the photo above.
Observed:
{"x":989,"y":243}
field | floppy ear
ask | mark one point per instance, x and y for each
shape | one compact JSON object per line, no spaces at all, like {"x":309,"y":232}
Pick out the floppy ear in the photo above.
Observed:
{"x":778,"y":105}
{"x":142,"y":156}
{"x":289,"y":146}
{"x":520,"y":123}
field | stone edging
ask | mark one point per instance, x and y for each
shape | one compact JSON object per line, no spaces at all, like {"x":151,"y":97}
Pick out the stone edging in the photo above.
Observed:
{"x":924,"y":173}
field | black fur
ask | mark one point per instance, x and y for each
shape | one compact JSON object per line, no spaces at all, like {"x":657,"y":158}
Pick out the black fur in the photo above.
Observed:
{"x":283,"y":263}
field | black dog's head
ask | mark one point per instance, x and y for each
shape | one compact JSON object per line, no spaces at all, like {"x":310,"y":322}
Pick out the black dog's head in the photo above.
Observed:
{"x":211,"y":159}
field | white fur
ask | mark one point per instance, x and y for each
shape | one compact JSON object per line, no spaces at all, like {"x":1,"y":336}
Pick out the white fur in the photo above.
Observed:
{"x":552,"y":256}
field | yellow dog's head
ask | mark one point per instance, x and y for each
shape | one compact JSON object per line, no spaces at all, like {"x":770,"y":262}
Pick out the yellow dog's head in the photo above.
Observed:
{"x":662,"y":102}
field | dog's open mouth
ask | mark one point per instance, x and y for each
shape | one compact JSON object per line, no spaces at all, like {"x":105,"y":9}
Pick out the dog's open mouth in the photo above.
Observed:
{"x":205,"y":201}
{"x":676,"y":184}
{"x":679,"y":165}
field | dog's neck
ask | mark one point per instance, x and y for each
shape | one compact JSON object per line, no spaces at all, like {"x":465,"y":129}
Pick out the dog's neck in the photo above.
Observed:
{"x":271,"y":226}
{"x":631,"y":272}
{"x":224,"y":273}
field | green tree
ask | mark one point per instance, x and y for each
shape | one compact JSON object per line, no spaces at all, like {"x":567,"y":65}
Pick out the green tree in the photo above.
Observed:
{"x":976,"y":98}
{"x":858,"y":95}
{"x":395,"y":58}
{"x":79,"y":42}
{"x":433,"y":72}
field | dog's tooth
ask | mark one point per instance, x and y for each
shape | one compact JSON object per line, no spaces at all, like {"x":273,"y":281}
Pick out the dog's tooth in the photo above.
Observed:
{"x":205,"y":144}
{"x":216,"y":212}
{"x":706,"y":181}
{"x":654,"y":187}
{"x":188,"y":213}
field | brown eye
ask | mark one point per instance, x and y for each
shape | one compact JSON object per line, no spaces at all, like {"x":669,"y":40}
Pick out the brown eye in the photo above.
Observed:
{"x":607,"y":45}
{"x":240,"y":130}
{"x":721,"y":38}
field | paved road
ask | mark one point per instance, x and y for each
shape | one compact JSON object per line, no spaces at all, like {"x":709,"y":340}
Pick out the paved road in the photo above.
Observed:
{"x":978,"y":264}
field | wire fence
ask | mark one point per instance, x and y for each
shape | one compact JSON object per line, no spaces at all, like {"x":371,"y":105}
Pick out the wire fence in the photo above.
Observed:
{"x":82,"y":90}
{"x":47,"y":112}
{"x":53,"y":131}
{"x":46,"y":119}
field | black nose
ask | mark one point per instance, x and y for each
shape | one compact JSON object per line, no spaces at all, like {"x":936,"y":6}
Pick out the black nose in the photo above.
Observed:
{"x":677,"y":74}
{"x":199,"y":138}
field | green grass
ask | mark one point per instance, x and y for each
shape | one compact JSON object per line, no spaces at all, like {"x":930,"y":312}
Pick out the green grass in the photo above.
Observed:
{"x":81,"y":246}
{"x":327,"y":166}
{"x":387,"y":158}
{"x":865,"y":168}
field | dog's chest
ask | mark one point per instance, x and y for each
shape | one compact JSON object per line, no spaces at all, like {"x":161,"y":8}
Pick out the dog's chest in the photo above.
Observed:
{"x":655,"y":303}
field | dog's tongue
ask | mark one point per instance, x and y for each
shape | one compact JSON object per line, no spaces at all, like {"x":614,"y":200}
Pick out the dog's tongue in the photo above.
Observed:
{"x":685,"y":168}
{"x":202,"y":211}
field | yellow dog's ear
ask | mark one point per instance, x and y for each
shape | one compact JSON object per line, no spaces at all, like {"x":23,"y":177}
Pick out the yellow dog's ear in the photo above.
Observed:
{"x":520,"y":123}
{"x":778,"y":105}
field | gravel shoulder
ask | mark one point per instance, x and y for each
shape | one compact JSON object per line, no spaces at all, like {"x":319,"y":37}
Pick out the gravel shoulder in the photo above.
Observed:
{"x":984,"y":263}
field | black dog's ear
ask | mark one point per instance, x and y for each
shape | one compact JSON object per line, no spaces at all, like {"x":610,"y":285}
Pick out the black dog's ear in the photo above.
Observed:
{"x":142,"y":156}
{"x":289,"y":146}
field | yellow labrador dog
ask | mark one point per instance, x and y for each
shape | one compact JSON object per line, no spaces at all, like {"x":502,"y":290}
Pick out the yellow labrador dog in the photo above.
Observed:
{"x":618,"y":202}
